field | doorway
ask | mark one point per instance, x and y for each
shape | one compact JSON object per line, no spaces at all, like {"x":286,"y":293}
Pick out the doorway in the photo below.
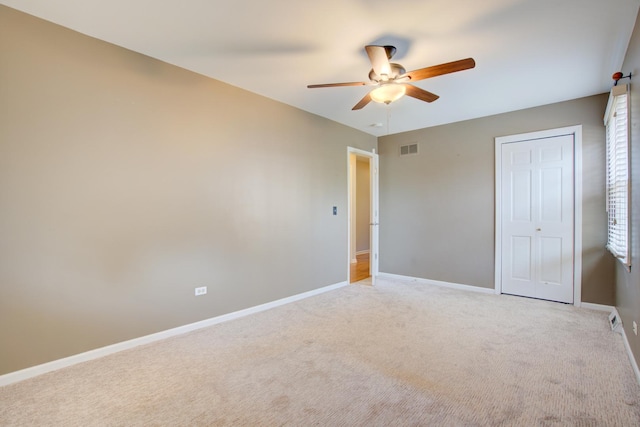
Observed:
{"x":538,"y":212}
{"x":363,"y":216}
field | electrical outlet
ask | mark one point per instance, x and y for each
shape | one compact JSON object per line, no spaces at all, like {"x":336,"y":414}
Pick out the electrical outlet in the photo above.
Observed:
{"x":201,"y":290}
{"x":635,"y":327}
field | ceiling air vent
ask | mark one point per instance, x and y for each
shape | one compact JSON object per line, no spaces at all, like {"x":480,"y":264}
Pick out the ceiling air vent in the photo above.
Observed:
{"x":406,"y":150}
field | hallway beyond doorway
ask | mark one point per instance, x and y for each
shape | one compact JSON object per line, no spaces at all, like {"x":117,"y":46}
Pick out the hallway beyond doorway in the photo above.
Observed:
{"x":360,"y":268}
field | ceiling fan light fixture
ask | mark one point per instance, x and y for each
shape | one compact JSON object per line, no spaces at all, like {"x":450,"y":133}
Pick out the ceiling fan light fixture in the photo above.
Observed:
{"x":387,"y":93}
{"x":393,"y":80}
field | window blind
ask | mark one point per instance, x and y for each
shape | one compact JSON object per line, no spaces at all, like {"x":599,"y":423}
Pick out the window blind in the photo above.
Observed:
{"x":617,"y":140}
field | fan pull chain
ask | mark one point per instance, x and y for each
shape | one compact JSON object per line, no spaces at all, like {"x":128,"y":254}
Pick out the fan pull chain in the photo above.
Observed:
{"x":388,"y":117}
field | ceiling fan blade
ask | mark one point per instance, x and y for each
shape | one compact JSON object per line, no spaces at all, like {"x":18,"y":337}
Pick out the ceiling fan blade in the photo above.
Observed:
{"x":438,"y":70}
{"x":338,"y":84}
{"x":421,"y":94}
{"x":379,"y":57}
{"x":364,"y":101}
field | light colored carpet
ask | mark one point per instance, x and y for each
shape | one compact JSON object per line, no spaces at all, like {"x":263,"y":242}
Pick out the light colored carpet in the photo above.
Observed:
{"x":394,"y":354}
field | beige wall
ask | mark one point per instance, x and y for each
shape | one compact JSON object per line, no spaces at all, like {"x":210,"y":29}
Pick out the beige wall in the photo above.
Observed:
{"x":628,"y":283}
{"x":126,"y":182}
{"x":437,"y":207}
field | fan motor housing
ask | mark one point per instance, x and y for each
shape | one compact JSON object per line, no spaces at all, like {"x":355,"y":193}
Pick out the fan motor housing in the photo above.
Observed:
{"x":396,"y":70}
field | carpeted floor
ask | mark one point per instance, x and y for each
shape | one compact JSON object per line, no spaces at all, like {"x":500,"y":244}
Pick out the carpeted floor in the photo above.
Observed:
{"x":394,"y":354}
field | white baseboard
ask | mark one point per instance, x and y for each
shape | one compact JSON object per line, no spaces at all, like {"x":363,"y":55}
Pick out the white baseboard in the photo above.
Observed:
{"x":366,"y":251}
{"x":21,"y":375}
{"x":436,"y":283}
{"x":598,"y":307}
{"x":632,"y":359}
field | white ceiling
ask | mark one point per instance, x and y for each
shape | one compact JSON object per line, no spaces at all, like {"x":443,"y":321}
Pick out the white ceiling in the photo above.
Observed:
{"x":528,"y":52}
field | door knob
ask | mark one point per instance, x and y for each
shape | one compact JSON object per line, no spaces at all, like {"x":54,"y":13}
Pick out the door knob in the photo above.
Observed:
{"x":538,"y":229}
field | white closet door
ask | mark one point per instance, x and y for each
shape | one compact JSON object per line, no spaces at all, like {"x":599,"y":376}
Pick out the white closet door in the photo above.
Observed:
{"x":538,"y":218}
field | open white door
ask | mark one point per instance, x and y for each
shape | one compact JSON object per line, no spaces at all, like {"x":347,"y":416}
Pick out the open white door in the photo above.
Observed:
{"x":373,"y":216}
{"x":375,"y":220}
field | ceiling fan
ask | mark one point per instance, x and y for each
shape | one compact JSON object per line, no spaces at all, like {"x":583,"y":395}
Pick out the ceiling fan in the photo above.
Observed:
{"x":392,"y":80}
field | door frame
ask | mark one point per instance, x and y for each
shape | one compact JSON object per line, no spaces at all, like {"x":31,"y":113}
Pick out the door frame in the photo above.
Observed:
{"x":374,"y":258}
{"x":576,"y":131}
